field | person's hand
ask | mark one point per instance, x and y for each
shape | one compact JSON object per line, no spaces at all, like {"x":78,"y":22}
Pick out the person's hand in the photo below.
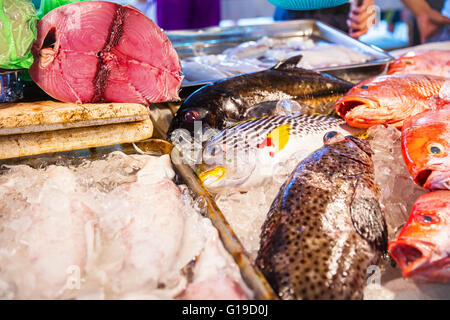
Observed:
{"x":362,"y":17}
{"x":429,"y":22}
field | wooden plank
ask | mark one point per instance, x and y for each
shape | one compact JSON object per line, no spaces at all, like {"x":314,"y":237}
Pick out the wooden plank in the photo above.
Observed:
{"x":43,"y":116}
{"x":21,"y":145}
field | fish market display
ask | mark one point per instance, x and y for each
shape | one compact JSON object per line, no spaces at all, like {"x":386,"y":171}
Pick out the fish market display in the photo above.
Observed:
{"x":252,"y":56}
{"x":96,"y":51}
{"x":113,"y":228}
{"x":246,"y":213}
{"x":326,"y":226}
{"x":422,"y":250}
{"x":251,"y":152}
{"x":17,"y":33}
{"x":426,"y":148}
{"x":255,"y":94}
{"x":433,"y":62}
{"x":388,"y":99}
{"x":335,"y":189}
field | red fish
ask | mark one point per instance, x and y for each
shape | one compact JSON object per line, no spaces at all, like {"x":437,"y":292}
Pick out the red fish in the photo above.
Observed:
{"x":426,"y":148}
{"x":423,"y":246}
{"x":388,"y":99}
{"x":433,"y":62}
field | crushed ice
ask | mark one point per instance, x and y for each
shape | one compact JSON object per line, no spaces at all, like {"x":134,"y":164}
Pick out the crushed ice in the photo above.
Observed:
{"x":246,"y":212}
{"x":115,"y":227}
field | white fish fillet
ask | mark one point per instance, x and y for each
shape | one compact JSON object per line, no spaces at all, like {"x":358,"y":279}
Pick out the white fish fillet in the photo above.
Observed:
{"x":259,"y":55}
{"x":100,"y":231}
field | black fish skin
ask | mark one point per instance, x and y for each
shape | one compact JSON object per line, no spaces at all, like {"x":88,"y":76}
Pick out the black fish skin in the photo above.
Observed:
{"x":226,"y":101}
{"x":325,"y":227}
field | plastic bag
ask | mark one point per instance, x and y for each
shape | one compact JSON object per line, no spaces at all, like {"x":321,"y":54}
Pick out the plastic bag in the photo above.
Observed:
{"x":18,"y":32}
{"x":49,"y":5}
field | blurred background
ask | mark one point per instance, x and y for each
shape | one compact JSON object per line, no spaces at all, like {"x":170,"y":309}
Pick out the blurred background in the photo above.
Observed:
{"x":396,"y":26}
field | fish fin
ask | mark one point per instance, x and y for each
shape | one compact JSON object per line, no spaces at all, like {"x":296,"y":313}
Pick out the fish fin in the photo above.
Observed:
{"x":363,"y":135}
{"x":362,"y":144}
{"x":266,"y":108}
{"x":292,"y":108}
{"x":279,"y":137}
{"x":367,"y":216}
{"x":235,"y":124}
{"x":277,"y":108}
{"x":272,"y":243}
{"x":288,"y":64}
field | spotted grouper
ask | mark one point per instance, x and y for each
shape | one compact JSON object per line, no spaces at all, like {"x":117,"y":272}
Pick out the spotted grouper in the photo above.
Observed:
{"x":325,"y":227}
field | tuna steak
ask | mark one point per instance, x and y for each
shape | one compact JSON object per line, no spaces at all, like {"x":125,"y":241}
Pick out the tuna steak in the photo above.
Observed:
{"x":98,"y":51}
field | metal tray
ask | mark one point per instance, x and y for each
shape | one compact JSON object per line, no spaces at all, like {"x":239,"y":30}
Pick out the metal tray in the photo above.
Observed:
{"x":254,"y":279}
{"x":215,"y":40}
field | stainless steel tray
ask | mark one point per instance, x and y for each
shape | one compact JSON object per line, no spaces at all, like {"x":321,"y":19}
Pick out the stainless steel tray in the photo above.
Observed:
{"x":215,"y":40}
{"x":254,"y":279}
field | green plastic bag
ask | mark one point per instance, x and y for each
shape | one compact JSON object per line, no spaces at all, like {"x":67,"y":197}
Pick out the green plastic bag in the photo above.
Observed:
{"x":18,"y":32}
{"x":49,"y":5}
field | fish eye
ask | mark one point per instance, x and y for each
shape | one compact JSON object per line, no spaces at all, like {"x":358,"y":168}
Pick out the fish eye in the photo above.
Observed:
{"x":427,"y":218}
{"x":408,"y":62}
{"x":435,"y":148}
{"x":365,"y":87}
{"x":191,"y":116}
{"x":330,"y":135}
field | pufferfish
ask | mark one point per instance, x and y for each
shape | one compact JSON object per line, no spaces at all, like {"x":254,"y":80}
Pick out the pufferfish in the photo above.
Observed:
{"x":256,"y":151}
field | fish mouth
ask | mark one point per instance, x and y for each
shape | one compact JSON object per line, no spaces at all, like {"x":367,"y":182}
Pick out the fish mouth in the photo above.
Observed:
{"x":433,"y":180}
{"x":348,"y":103}
{"x":408,"y":256}
{"x":211,"y":176}
{"x":220,"y":178}
{"x":415,"y":260}
{"x":422,"y":177}
{"x":437,"y":180}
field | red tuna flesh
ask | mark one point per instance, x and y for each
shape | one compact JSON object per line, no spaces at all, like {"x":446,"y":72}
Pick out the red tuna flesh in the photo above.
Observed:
{"x":98,"y":51}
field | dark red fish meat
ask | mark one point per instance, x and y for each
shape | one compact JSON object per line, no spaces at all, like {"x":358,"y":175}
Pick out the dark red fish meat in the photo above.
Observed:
{"x":97,"y":51}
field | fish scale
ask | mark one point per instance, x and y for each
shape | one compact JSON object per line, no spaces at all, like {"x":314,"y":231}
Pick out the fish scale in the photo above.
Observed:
{"x":422,"y":133}
{"x":389,"y":99}
{"x":325,"y":226}
{"x":256,"y":94}
{"x":300,"y":125}
{"x":432,"y":62}
{"x":422,"y":249}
